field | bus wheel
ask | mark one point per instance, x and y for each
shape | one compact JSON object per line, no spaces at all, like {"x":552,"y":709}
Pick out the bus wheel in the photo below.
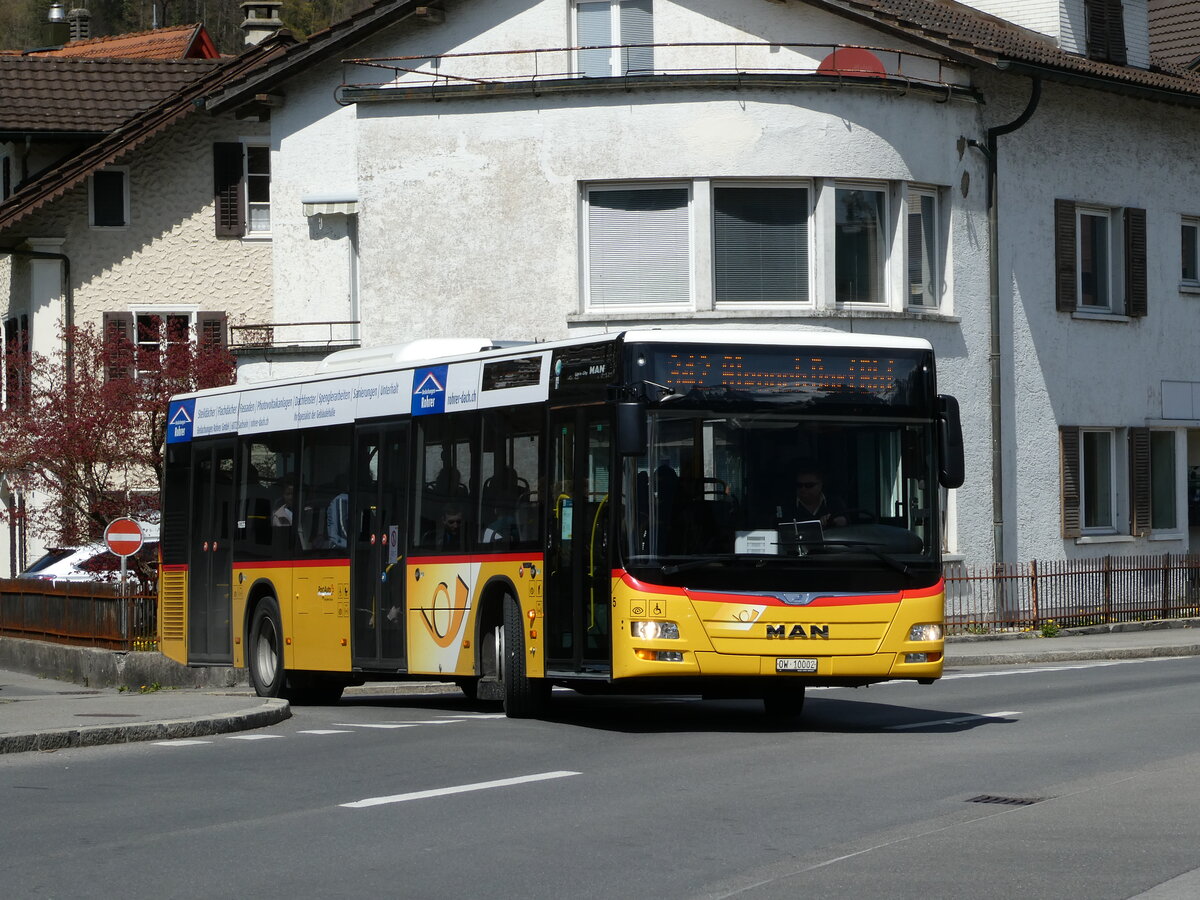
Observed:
{"x":784,"y":702}
{"x":524,"y":697}
{"x":265,"y":658}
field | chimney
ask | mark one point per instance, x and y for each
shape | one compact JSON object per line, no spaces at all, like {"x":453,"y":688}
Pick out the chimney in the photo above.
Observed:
{"x":80,"y":22}
{"x":262,"y":20}
{"x":56,"y":30}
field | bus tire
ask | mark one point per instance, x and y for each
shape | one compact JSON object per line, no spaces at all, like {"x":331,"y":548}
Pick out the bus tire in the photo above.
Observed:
{"x":785,"y":702}
{"x":264,"y":658}
{"x":524,"y":697}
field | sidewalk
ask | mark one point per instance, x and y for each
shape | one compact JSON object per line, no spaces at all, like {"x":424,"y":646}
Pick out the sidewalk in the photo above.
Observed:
{"x":44,"y":714}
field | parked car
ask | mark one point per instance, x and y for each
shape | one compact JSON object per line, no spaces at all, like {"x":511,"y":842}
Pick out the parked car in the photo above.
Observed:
{"x":94,"y":562}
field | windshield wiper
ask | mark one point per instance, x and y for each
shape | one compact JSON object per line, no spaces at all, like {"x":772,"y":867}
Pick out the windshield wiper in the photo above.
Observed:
{"x":887,"y":558}
{"x":701,"y":561}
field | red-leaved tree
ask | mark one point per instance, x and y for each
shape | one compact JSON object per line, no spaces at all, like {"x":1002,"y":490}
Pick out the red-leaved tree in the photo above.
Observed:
{"x":82,"y":431}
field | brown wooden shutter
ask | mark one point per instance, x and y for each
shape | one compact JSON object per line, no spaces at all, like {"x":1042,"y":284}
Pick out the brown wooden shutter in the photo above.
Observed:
{"x":1139,"y":481}
{"x":211,"y":331}
{"x":1135,"y":262}
{"x":1068,"y":438}
{"x":1064,"y":256}
{"x":118,"y":345}
{"x":1106,"y":31}
{"x":228,"y":172}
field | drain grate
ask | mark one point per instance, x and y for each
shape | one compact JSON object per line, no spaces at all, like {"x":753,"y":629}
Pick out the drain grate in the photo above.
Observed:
{"x":1005,"y":801}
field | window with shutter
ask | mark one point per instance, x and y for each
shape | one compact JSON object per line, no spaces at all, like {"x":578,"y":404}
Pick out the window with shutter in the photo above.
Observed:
{"x":1069,"y":478}
{"x":16,"y":360}
{"x":638,"y":247}
{"x":1106,"y":31}
{"x":1097,"y":486}
{"x":1139,"y":481}
{"x":1135,"y":262}
{"x":228,"y":172}
{"x":118,"y":345}
{"x":760,"y":249}
{"x":1163,"y":494}
{"x":1189,"y":251}
{"x":1064,"y":256}
{"x":211,"y":330}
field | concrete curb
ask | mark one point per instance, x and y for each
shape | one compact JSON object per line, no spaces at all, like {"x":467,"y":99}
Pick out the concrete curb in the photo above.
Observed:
{"x":1062,"y":656}
{"x":268,"y":712}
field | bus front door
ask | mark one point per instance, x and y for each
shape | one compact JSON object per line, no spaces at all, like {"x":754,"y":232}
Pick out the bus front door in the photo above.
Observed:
{"x":578,"y":567}
{"x":378,"y":517}
{"x":210,"y":565}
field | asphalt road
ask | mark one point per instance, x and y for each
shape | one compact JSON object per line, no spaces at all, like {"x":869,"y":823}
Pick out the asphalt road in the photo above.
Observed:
{"x":1092,"y":771}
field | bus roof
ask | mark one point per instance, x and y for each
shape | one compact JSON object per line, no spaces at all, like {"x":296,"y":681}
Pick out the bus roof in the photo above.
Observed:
{"x":433,"y":351}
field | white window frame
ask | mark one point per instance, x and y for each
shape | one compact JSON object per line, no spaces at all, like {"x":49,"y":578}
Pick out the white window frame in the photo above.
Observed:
{"x":1104,"y":213}
{"x":249,"y":206}
{"x":810,"y":212}
{"x":616,"y":58}
{"x":1192,"y":224}
{"x":1114,"y":512}
{"x":886,"y":244}
{"x":689,"y":302}
{"x":163,"y":312}
{"x":933,"y":288}
{"x":123,"y":171}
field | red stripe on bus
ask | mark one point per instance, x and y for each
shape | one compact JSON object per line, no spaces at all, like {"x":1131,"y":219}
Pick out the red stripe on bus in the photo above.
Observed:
{"x":766,"y":599}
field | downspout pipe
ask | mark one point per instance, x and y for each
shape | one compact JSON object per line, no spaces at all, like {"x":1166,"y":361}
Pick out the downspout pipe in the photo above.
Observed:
{"x":991,"y":151}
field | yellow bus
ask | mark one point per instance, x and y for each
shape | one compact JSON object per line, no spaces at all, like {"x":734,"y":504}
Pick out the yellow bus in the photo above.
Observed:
{"x":733,"y":514}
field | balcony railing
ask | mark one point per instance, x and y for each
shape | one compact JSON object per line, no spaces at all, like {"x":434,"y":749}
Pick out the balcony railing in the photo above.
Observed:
{"x":300,"y":336}
{"x":489,"y":70}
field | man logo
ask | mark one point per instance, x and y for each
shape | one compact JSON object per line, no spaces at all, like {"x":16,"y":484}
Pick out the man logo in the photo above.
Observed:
{"x":798,"y":631}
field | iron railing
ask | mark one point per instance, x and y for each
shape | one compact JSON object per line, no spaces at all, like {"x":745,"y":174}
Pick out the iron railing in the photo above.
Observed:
{"x":85,"y":615}
{"x":306,"y":335}
{"x":544,"y":65}
{"x":1071,"y":593}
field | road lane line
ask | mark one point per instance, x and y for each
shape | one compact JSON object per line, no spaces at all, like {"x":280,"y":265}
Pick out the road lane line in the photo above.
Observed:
{"x":180,"y":743}
{"x":324,"y":731}
{"x":253,"y":737}
{"x":378,"y":724}
{"x":460,"y":789}
{"x":958,"y":720}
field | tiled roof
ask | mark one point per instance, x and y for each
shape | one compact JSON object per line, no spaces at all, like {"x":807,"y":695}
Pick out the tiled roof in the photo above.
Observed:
{"x":172,"y":42}
{"x":972,"y":34}
{"x":141,"y":127}
{"x":54,"y":94}
{"x":1174,"y":31}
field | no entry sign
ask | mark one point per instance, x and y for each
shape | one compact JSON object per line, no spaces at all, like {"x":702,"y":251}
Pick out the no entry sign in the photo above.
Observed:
{"x":123,"y":537}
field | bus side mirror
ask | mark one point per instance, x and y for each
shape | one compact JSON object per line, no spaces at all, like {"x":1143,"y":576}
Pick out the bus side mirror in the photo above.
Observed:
{"x":951,"y":465}
{"x":631,"y":428}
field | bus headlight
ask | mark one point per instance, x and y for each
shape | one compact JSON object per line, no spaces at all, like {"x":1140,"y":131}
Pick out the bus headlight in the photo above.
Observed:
{"x":654,"y":630}
{"x":927,"y":632}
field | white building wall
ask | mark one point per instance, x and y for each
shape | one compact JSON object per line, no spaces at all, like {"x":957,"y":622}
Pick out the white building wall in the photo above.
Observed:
{"x":1073,"y":371}
{"x":1038,"y":15}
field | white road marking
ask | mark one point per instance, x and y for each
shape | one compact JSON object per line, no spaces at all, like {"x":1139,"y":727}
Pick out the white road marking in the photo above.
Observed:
{"x":460,"y":789}
{"x":183,"y":742}
{"x":478,"y":716}
{"x":324,"y":731}
{"x":957,"y":720}
{"x":378,"y":724}
{"x":253,"y":737}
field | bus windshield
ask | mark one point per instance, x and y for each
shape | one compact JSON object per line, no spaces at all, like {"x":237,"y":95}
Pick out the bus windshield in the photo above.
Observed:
{"x":778,"y":493}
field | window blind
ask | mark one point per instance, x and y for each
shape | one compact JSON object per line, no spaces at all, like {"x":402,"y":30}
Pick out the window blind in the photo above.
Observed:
{"x":593,"y":23}
{"x":760,"y":250}
{"x":638,"y":247}
{"x":637,"y":27}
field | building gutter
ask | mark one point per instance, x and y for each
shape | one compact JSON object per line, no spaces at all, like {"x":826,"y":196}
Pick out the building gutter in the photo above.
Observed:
{"x":991,"y":151}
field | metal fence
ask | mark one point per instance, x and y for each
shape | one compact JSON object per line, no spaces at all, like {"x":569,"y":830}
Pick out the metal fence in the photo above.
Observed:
{"x":86,"y":615}
{"x":1071,"y":593}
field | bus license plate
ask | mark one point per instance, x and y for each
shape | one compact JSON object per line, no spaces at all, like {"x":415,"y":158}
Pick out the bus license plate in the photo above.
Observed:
{"x":795,"y":664}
